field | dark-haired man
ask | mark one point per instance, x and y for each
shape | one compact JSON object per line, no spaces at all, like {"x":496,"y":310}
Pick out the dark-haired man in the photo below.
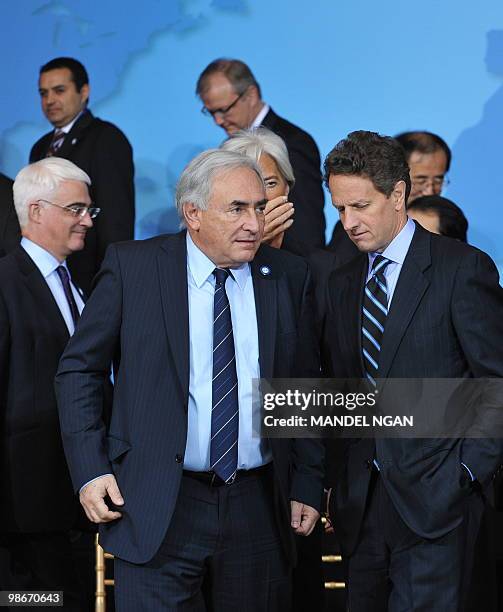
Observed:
{"x":429,"y":159}
{"x":232,"y":97}
{"x":97,"y":147}
{"x":411,"y":305}
{"x":440,"y":216}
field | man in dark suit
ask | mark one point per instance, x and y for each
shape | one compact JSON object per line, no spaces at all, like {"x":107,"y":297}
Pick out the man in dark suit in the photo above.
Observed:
{"x":413,"y":305}
{"x":182,"y":488}
{"x":10,"y":234}
{"x":40,"y":518}
{"x":232,"y":96}
{"x":97,"y":147}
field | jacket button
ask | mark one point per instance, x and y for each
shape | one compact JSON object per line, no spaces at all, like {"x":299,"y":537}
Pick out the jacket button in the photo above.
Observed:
{"x":179,"y":458}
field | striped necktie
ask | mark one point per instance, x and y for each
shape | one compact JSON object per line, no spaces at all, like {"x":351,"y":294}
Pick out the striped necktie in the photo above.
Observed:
{"x":56,"y":142}
{"x":225,"y":406}
{"x":375,"y":311}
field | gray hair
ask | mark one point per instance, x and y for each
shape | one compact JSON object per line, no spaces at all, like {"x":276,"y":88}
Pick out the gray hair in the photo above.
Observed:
{"x":253,"y":143}
{"x":196,"y":181}
{"x":40,"y":180}
{"x":236,"y":71}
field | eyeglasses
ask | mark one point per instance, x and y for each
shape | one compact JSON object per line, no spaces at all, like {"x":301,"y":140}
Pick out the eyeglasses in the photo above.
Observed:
{"x":220,"y":112}
{"x":438,"y":182}
{"x":77,"y":209}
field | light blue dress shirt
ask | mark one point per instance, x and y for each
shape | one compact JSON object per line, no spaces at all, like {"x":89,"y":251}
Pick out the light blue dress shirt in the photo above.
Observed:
{"x":47,"y":264}
{"x":396,"y":251}
{"x":252,"y":451}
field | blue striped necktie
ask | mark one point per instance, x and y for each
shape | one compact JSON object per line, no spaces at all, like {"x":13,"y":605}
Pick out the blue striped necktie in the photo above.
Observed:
{"x":224,"y":405}
{"x":375,"y":311}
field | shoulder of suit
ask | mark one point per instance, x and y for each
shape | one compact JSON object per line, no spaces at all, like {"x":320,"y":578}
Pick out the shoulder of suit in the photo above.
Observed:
{"x":289,"y":131}
{"x":448,"y":249}
{"x":147,"y":245}
{"x":279,"y":259}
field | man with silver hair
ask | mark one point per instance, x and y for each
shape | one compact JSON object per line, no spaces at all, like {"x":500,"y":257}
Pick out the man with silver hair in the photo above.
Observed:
{"x":39,"y":307}
{"x":232,"y":97}
{"x":183,"y":491}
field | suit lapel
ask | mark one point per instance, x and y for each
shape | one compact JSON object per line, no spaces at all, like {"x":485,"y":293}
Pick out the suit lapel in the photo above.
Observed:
{"x":411,"y":286}
{"x":42,"y":295}
{"x":74,"y":135}
{"x":351,"y":302}
{"x":172,"y":271}
{"x":266,"y":305}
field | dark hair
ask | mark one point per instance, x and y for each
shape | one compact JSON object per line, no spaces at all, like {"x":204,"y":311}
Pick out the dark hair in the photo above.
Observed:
{"x":79,"y":73}
{"x":368,"y":154}
{"x":451,"y":219}
{"x":238,"y":73}
{"x":424,"y":142}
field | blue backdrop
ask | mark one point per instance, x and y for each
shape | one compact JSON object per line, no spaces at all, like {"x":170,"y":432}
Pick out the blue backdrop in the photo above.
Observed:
{"x":331,"y":67}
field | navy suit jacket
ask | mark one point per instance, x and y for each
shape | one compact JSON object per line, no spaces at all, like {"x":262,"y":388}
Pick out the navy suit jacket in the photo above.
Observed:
{"x":10,"y":233}
{"x":138,"y":316}
{"x":36,"y":493}
{"x":445,"y":321}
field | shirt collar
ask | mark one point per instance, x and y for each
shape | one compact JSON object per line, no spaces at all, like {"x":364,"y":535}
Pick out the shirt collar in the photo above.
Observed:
{"x":397,"y":249}
{"x":201,"y":267}
{"x":257,"y":122}
{"x":45,"y":261}
{"x":66,"y":128}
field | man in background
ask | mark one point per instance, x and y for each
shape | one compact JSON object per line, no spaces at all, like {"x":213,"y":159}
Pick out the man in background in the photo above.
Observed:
{"x":43,"y":528}
{"x":429,"y":159}
{"x":97,"y":147}
{"x":232,"y":97}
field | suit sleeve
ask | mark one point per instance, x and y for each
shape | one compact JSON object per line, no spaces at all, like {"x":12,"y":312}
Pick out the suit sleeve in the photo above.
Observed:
{"x":478,"y":320}
{"x":308,"y":453}
{"x":307,"y":195}
{"x":113,"y":188}
{"x":83,"y":374}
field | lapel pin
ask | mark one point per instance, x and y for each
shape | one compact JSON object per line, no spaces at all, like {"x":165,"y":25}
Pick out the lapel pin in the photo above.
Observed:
{"x":265,"y":270}
{"x":74,"y":141}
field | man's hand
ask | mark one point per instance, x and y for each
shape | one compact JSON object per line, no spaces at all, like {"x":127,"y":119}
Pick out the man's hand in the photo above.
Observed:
{"x":303,"y":518}
{"x":92,"y":499}
{"x":278,"y":213}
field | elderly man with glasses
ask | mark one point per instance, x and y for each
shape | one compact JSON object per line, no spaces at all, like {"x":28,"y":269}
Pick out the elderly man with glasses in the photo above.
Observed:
{"x":232,"y":96}
{"x":42,"y":524}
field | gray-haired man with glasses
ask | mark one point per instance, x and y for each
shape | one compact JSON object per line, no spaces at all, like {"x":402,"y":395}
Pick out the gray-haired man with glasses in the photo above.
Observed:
{"x":40,"y":518}
{"x":232,"y":97}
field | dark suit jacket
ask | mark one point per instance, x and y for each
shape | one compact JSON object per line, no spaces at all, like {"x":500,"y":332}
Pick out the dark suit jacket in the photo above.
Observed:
{"x":100,"y":149}
{"x":445,"y":321}
{"x":342,"y":245}
{"x":307,"y":195}
{"x":138,"y":313}
{"x":10,"y":233}
{"x":36,"y":494}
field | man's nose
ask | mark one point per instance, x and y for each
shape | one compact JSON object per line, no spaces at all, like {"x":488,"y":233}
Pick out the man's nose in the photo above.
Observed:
{"x":86,"y":220}
{"x":253,"y":221}
{"x":348,"y":220}
{"x":218,"y":119}
{"x":428,"y":188}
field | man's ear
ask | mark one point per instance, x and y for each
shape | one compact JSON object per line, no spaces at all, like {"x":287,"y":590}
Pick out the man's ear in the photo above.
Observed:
{"x":398,"y":195}
{"x":84,"y":93}
{"x":192,"y":216}
{"x":34,"y":211}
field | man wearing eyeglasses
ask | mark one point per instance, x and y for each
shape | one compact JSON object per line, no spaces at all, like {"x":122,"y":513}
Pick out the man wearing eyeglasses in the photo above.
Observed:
{"x":429,"y":159}
{"x":40,"y":518}
{"x":232,"y":97}
{"x":97,"y":147}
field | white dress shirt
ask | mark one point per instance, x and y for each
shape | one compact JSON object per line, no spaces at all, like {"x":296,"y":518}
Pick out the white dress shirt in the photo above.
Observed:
{"x":47,"y":264}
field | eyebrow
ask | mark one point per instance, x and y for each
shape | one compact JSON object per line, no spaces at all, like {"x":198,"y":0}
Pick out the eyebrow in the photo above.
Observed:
{"x":255,"y":204}
{"x":271,"y":176}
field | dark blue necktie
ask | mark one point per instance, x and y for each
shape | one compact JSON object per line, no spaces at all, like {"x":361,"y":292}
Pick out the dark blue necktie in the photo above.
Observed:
{"x":65,"y":281}
{"x":375,"y":311}
{"x":224,"y":405}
